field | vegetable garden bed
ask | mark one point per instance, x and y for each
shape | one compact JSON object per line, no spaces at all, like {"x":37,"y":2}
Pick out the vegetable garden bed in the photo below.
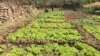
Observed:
{"x":49,"y":35}
{"x":31,"y":33}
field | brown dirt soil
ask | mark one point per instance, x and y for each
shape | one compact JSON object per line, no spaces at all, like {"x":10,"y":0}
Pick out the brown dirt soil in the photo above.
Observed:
{"x":38,"y":42}
{"x":75,"y":15}
{"x":51,"y":27}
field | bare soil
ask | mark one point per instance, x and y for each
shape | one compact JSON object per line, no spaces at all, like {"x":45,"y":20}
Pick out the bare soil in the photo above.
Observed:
{"x":39,"y":42}
{"x":75,"y":15}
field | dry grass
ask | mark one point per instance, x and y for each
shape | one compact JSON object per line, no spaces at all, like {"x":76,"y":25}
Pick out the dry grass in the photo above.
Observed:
{"x":96,"y":4}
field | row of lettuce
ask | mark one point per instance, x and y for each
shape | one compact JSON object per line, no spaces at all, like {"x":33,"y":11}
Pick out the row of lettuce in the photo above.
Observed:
{"x":90,"y":25}
{"x":79,"y":49}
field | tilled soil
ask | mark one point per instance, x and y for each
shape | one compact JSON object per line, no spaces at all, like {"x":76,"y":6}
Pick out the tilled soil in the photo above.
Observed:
{"x":75,"y":15}
{"x":39,"y":42}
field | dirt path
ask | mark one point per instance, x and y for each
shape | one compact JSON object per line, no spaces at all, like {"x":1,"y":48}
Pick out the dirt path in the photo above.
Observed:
{"x":88,"y":38}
